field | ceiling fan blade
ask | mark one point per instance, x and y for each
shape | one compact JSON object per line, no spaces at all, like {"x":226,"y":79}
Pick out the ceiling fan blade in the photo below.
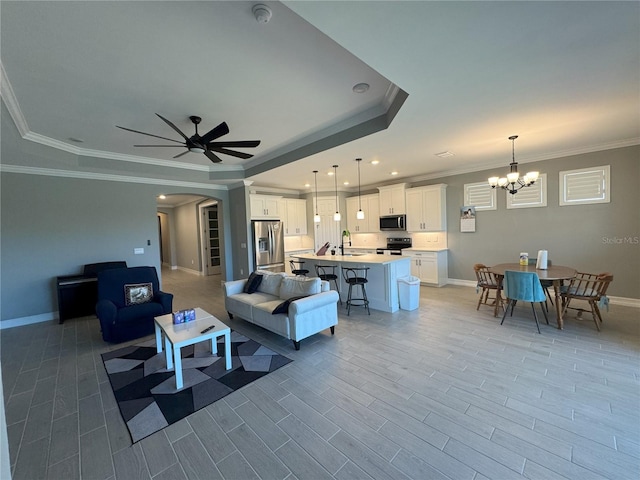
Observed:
{"x":181,"y":154}
{"x":217,"y":132}
{"x":239,"y":143}
{"x":212,"y":156}
{"x":173,"y":126}
{"x":233,"y":153}
{"x":149,"y":134}
{"x":180,"y":146}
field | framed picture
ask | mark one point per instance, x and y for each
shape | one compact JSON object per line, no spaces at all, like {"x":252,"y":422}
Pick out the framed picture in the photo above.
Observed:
{"x":467,"y":219}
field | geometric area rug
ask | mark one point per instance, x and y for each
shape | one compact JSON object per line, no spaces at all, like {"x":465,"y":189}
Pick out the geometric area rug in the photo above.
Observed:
{"x":146,"y":391}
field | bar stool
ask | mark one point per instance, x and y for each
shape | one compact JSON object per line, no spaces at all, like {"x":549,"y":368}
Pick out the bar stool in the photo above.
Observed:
{"x":328,"y":273}
{"x":297,"y":268}
{"x":354,"y":276}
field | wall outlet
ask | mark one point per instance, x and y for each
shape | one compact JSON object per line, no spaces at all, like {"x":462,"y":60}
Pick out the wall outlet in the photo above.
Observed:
{"x":138,"y":251}
{"x":243,"y":245}
{"x":241,"y":271}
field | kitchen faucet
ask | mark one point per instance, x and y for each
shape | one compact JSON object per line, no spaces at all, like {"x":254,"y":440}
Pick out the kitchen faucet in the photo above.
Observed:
{"x":345,"y":233}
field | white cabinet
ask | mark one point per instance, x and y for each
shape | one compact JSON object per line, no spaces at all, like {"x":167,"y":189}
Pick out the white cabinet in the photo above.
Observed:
{"x":294,"y":216}
{"x":264,"y":207}
{"x":370,"y":223}
{"x":427,"y":208}
{"x":392,"y":201}
{"x":430,"y":267}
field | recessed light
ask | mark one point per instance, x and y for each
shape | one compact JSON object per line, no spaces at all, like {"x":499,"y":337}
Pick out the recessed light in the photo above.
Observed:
{"x":375,"y":162}
{"x":307,"y":185}
{"x":162,"y":197}
{"x":444,"y":154}
{"x":394,"y":173}
{"x":329,"y":173}
{"x":360,"y":87}
{"x":346,"y":183}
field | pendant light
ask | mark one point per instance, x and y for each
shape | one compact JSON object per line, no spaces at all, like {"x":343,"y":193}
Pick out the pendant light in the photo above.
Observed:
{"x":513,"y":181}
{"x":336,"y":216}
{"x":360,"y":213}
{"x":316,"y":217}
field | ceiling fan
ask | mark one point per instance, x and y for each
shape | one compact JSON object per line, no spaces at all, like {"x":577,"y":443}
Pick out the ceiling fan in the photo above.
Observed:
{"x":203,"y":144}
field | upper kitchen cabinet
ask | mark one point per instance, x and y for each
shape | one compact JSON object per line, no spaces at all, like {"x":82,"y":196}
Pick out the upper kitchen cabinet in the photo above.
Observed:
{"x":370,"y":223}
{"x":294,"y":216}
{"x":392,"y":200}
{"x":265,"y":207}
{"x":427,"y":208}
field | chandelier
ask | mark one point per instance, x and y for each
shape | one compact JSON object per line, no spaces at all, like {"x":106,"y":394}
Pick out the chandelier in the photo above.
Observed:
{"x":513,"y":181}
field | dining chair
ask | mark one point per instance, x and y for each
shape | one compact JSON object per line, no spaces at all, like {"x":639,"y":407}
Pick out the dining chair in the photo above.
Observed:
{"x":354,"y":277}
{"x":590,"y":287}
{"x":546,"y":284}
{"x":297,"y":268}
{"x":488,"y":281}
{"x":524,"y":286}
{"x":328,"y":273}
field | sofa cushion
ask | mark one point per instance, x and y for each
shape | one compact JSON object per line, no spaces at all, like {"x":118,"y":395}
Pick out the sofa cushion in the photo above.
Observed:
{"x":242,"y":303}
{"x":283,"y":307}
{"x":136,"y":293}
{"x":253,"y":282}
{"x":270,"y":282}
{"x":299,"y":286}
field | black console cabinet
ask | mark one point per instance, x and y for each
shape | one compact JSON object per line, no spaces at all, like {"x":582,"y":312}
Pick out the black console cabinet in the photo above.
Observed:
{"x":78,"y":294}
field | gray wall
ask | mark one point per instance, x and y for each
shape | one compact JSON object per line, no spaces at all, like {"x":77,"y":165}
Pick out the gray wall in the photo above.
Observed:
{"x":581,"y":236}
{"x":53,"y":225}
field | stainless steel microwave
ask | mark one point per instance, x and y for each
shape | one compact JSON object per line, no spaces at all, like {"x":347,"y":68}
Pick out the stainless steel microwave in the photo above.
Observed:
{"x":393,"y":222}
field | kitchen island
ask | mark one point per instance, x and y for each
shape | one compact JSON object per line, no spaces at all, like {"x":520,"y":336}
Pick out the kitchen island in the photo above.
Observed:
{"x":384,"y":271}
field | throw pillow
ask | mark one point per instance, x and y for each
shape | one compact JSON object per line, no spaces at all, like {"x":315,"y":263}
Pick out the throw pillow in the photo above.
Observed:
{"x":270,"y":282}
{"x":253,"y":282}
{"x":137,"y":293}
{"x":284,"y":306}
{"x":296,"y":286}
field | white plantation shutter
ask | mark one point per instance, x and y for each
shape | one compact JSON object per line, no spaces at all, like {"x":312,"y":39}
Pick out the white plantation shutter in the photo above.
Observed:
{"x":584,"y":186}
{"x":480,"y":195}
{"x":529,"y":197}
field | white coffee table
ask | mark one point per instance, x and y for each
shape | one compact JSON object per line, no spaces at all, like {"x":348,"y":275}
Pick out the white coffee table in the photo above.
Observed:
{"x":190,"y":333}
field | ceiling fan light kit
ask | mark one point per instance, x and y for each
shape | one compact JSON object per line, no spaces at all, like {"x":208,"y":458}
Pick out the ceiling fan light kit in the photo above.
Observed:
{"x":202,"y":144}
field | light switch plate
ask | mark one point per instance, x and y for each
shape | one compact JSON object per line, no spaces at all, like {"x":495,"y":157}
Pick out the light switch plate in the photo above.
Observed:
{"x":138,"y":251}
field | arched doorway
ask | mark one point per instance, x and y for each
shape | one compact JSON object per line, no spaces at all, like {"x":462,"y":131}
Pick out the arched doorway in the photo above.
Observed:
{"x":191,"y":234}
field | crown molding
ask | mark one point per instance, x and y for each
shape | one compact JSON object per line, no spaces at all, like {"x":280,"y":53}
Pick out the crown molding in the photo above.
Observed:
{"x":51,"y":172}
{"x":10,"y":100}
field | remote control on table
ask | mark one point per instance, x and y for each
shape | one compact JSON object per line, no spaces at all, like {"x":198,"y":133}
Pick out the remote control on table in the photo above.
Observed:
{"x":207,"y":329}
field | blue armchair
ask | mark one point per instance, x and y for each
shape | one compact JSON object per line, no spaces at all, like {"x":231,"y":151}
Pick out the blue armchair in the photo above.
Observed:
{"x":128,"y":300}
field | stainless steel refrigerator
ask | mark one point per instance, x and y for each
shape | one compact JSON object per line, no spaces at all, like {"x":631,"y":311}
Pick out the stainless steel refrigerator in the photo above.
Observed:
{"x":268,"y":245}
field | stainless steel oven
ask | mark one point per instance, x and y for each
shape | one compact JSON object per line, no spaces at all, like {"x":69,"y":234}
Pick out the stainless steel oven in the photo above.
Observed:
{"x":394,"y":246}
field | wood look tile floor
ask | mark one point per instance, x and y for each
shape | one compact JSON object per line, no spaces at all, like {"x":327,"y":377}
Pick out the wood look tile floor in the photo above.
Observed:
{"x":440,"y":392}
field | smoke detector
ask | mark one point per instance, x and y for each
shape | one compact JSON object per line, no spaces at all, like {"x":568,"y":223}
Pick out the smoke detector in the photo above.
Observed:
{"x":262,"y":13}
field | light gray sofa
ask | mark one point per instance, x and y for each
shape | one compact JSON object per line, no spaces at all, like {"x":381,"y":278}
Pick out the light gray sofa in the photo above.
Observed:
{"x":317,"y":311}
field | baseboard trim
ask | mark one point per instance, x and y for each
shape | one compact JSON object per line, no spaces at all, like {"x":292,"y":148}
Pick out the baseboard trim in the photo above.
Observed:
{"x":22,"y":321}
{"x":627,"y":302}
{"x":189,"y":270}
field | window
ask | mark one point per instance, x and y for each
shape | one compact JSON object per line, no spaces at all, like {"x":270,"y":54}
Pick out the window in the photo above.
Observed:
{"x":529,"y":197}
{"x":586,"y":185}
{"x":480,"y":195}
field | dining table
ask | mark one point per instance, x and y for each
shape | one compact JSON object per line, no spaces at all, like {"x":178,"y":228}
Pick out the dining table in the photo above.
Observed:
{"x":554,"y":273}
